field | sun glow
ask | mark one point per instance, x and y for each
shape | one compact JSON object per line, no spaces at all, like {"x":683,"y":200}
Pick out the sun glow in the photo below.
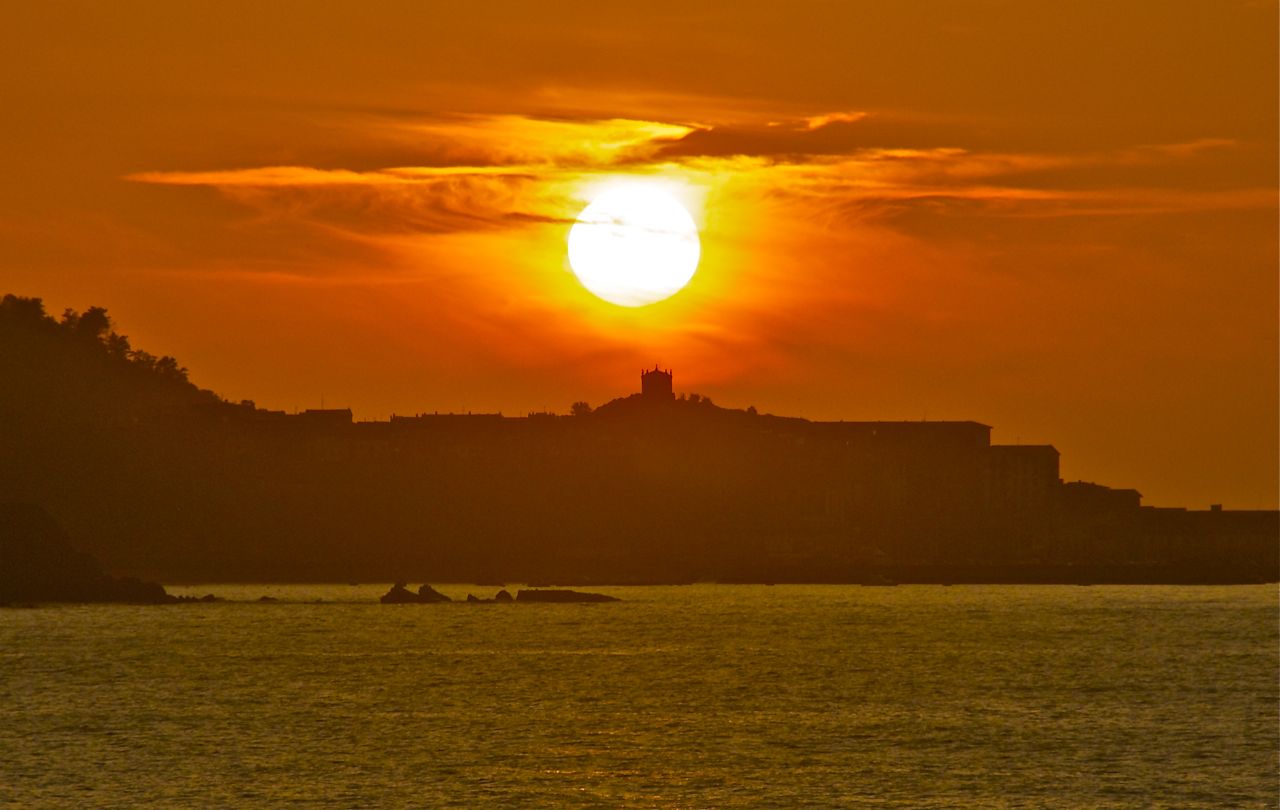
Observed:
{"x":635,"y":244}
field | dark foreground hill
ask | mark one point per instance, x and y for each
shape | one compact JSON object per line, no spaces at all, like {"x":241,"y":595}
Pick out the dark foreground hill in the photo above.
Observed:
{"x":39,"y":564}
{"x":154,"y":476}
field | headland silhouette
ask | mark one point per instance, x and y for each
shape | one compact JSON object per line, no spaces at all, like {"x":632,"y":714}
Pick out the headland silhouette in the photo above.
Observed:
{"x":157,"y":477}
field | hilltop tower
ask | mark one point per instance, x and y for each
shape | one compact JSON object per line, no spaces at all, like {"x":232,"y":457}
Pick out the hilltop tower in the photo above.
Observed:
{"x":655,"y":384}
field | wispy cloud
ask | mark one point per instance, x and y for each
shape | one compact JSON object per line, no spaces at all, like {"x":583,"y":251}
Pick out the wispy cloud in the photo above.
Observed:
{"x":269,"y":176}
{"x":819,"y":121}
{"x":843,"y":168}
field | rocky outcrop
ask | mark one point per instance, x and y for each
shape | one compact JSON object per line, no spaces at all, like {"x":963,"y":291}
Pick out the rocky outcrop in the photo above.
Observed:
{"x":429,"y":595}
{"x":39,"y":564}
{"x":558,"y":596}
{"x":401,"y":595}
{"x":502,"y":597}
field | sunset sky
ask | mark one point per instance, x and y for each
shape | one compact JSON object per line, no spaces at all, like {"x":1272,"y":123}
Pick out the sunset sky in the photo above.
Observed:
{"x":1058,"y":219}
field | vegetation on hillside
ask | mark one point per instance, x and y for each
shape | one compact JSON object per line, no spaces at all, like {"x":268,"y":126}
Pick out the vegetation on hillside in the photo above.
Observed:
{"x":29,"y":337}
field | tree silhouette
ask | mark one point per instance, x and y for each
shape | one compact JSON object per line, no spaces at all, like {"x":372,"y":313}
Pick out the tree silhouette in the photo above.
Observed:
{"x":118,"y":346}
{"x":92,"y":328}
{"x":168,"y":367}
{"x":91,"y":325}
{"x":22,"y":310}
{"x":94,"y":324}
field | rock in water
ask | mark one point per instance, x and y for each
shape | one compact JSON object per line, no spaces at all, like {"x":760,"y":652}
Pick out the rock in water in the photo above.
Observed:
{"x":399,"y":595}
{"x":38,"y":564}
{"x":430,"y":595}
{"x":503,"y":596}
{"x":562,"y":596}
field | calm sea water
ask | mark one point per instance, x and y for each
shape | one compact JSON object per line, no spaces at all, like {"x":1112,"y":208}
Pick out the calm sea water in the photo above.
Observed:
{"x":702,"y":696}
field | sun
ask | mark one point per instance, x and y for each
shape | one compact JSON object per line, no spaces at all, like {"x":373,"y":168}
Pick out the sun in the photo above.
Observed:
{"x":635,"y":244}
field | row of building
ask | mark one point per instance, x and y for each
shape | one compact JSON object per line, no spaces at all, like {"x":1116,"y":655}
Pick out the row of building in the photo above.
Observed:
{"x":925,"y":492}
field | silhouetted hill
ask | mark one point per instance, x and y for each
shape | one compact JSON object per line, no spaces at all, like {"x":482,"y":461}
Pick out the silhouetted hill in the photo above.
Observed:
{"x":689,"y":411}
{"x":154,"y":476}
{"x":38,"y":564}
{"x":79,"y":365}
{"x":103,"y":435}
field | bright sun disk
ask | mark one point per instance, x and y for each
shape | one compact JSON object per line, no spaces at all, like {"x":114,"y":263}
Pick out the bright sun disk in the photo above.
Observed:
{"x":635,"y":244}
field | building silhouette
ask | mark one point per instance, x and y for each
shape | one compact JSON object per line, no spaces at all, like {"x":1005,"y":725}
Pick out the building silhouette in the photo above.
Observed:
{"x":655,"y":384}
{"x":820,"y":496}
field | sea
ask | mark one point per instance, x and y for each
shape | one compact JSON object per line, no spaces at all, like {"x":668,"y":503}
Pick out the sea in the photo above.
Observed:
{"x":681,"y":696}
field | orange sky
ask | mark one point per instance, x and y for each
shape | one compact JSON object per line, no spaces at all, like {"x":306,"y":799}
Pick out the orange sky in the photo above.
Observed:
{"x":1060,"y":219}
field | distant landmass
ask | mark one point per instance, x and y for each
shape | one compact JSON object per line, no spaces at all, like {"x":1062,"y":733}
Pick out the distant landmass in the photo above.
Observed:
{"x":159,"y":478}
{"x":39,"y":564}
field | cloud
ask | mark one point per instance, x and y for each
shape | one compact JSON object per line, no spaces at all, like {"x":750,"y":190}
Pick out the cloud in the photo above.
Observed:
{"x":488,"y":172}
{"x":426,"y":200}
{"x":294,"y":176}
{"x":508,"y":139}
{"x":819,"y":121}
{"x":845,"y":169}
